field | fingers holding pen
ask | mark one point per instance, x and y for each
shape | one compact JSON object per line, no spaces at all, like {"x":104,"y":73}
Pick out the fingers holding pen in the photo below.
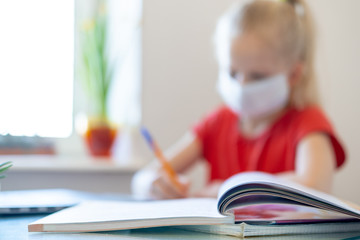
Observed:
{"x":163,"y":187}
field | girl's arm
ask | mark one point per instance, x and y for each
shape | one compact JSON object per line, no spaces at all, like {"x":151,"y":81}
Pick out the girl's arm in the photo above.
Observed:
{"x":185,"y":152}
{"x":315,"y":163}
{"x":153,"y":182}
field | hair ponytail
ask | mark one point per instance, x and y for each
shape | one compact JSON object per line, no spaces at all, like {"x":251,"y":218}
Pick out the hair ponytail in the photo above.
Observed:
{"x":306,"y":92}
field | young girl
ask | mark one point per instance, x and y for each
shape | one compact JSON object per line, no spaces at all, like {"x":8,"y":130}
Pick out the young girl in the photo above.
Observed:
{"x":271,"y":121}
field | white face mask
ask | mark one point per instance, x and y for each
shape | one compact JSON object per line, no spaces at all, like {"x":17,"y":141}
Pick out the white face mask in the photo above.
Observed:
{"x":256,"y":99}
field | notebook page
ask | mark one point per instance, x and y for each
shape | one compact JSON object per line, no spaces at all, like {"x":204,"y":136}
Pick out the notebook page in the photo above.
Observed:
{"x":108,"y":211}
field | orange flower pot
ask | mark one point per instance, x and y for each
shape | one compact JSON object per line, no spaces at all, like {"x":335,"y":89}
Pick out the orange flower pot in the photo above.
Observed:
{"x":99,"y":137}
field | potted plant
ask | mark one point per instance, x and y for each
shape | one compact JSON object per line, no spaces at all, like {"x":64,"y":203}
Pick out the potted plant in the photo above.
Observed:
{"x":96,"y":75}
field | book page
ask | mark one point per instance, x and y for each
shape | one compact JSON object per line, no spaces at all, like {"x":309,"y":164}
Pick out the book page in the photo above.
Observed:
{"x":150,"y":213}
{"x":282,"y":186}
{"x":244,"y":178}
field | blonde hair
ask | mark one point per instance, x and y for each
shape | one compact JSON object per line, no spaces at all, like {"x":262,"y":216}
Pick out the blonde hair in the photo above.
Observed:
{"x":290,"y":23}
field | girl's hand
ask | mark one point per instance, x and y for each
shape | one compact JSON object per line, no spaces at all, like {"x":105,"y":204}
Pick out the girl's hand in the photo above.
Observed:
{"x":209,"y":191}
{"x":152,"y":182}
{"x":163,"y":188}
{"x":156,"y":184}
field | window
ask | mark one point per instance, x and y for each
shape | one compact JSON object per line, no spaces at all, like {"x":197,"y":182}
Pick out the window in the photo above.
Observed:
{"x":37,"y":67}
{"x":125,"y":44}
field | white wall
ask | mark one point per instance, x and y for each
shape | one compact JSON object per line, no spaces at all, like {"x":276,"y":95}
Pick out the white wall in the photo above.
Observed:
{"x":179,"y":71}
{"x":339,"y":78}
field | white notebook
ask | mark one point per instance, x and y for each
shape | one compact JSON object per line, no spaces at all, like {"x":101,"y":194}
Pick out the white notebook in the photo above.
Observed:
{"x":115,"y":215}
{"x":245,"y":200}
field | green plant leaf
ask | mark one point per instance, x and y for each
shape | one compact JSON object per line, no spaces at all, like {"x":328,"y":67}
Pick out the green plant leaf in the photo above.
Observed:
{"x":4,"y":166}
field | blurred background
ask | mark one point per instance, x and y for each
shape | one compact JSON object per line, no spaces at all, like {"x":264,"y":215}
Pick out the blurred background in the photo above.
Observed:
{"x":163,"y":74}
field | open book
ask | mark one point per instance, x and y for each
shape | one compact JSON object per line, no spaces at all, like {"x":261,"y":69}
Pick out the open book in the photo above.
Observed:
{"x":246,"y":203}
